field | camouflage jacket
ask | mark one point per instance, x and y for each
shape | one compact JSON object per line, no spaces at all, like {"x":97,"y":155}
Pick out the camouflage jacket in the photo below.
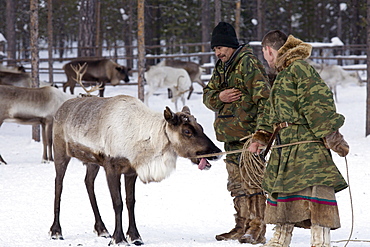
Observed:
{"x":299,"y":96}
{"x":245,"y":72}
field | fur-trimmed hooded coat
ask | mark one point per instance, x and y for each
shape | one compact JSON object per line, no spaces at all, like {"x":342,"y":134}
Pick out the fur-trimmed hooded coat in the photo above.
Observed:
{"x":299,"y":96}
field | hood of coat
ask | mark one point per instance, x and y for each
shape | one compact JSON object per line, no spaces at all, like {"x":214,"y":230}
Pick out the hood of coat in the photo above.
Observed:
{"x":292,"y":50}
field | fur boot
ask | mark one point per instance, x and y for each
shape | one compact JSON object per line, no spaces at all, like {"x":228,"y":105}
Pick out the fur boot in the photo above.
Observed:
{"x":255,"y":233}
{"x":320,"y":236}
{"x":282,"y":236}
{"x":240,"y":221}
{"x":256,"y":229}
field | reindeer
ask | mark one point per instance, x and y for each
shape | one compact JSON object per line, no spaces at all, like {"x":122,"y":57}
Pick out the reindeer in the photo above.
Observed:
{"x":32,"y":106}
{"x":15,"y":76}
{"x":194,"y":70}
{"x":176,"y":79}
{"x":335,"y":75}
{"x":124,"y":136}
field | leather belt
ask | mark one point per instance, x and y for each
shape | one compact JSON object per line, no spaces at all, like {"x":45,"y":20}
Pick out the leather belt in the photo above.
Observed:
{"x":278,"y":127}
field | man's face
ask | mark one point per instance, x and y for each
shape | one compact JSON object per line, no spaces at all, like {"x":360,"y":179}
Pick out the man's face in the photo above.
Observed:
{"x":223,"y":53}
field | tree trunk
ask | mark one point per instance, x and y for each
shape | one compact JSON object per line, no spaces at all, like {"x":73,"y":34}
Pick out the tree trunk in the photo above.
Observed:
{"x":141,"y":48}
{"x":368,"y":72}
{"x":237,"y":18}
{"x":87,"y":29}
{"x":34,"y":31}
{"x":127,"y":33}
{"x":217,"y":11}
{"x":206,"y":20}
{"x":99,"y":49}
{"x":10,"y":31}
{"x":152,"y":32}
{"x":50,"y":41}
{"x":261,"y":20}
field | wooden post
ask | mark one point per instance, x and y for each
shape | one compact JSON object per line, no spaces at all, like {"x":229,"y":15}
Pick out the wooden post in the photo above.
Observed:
{"x":141,"y":48}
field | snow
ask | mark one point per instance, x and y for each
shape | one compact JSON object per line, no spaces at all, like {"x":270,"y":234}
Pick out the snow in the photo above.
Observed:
{"x":187,"y":209}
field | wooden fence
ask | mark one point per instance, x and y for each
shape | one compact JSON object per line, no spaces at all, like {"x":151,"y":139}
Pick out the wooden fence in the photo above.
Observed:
{"x":345,"y":56}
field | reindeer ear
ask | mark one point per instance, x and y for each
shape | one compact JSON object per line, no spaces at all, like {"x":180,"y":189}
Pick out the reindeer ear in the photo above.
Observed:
{"x":186,"y":110}
{"x":170,"y":116}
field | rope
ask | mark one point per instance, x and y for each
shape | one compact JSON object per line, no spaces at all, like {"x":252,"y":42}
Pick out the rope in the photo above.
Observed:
{"x":350,"y":199}
{"x":252,"y":167}
{"x":246,"y":149}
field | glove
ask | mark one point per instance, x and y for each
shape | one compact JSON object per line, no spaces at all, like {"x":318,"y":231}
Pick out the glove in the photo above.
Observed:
{"x":336,"y":142}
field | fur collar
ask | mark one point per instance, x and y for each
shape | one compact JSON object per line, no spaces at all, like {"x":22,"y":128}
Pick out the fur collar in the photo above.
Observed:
{"x":292,"y":50}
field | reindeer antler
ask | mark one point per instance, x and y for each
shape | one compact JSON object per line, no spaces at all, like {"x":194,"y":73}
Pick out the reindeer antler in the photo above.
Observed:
{"x":80,"y":71}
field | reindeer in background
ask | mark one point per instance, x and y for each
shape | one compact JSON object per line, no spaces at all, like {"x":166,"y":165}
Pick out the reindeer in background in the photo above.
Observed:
{"x":32,"y":106}
{"x":36,"y":106}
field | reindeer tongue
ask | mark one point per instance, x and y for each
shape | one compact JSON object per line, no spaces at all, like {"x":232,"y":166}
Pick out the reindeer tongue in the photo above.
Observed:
{"x":203,"y":164}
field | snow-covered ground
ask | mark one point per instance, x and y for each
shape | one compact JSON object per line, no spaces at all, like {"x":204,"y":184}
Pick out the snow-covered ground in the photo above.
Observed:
{"x":187,"y":209}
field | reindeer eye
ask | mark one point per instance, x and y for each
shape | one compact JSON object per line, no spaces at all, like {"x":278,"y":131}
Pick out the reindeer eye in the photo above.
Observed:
{"x":187,"y":132}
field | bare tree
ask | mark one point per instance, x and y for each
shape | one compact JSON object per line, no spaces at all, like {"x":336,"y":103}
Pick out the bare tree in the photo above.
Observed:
{"x":10,"y":31}
{"x":368,"y":71}
{"x":128,"y":18}
{"x":50,"y":40}
{"x":141,"y":48}
{"x":87,"y":29}
{"x":34,"y":30}
{"x":206,"y":21}
{"x":261,"y":20}
{"x":217,"y":11}
{"x":237,"y":19}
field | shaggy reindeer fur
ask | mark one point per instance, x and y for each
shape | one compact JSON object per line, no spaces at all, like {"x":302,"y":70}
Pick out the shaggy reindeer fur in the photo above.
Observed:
{"x":124,"y":136}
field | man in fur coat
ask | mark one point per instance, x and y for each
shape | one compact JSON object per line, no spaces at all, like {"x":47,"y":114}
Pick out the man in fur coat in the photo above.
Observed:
{"x":301,"y":178}
{"x":237,"y":92}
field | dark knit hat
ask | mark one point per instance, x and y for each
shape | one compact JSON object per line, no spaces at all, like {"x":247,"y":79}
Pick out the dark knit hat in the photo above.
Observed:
{"x":224,"y":35}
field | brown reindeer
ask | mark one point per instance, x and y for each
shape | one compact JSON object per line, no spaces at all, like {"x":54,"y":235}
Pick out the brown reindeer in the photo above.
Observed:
{"x":124,"y":136}
{"x":97,"y":70}
{"x":32,"y":106}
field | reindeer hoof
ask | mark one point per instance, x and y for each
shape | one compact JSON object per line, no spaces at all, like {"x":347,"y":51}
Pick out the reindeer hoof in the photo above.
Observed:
{"x":104,"y":234}
{"x":123,"y":243}
{"x":136,"y":242}
{"x":57,"y":236}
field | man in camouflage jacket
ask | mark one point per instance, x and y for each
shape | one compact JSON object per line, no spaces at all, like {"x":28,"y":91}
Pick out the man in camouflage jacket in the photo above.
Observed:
{"x":237,"y":92}
{"x":301,"y":178}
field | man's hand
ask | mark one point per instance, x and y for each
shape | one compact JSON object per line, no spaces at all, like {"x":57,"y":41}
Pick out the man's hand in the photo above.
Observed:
{"x":230,"y":95}
{"x":254,"y":148}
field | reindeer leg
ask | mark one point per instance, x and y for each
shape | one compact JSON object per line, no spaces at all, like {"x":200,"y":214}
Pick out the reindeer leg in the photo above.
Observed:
{"x":49,"y":134}
{"x":61,"y":163}
{"x":114,"y":184}
{"x":91,"y":173}
{"x":101,"y":91}
{"x":2,"y":160}
{"x":133,"y":235}
{"x":44,"y":141}
{"x":191,"y":89}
